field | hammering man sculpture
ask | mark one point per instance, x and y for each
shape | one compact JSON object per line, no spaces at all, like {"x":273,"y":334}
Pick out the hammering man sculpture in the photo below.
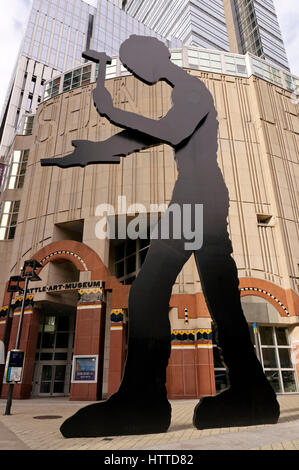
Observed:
{"x":140,"y":405}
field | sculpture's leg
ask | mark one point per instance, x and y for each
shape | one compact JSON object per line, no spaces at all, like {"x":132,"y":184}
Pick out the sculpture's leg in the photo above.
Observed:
{"x":250,"y":400}
{"x":140,"y":406}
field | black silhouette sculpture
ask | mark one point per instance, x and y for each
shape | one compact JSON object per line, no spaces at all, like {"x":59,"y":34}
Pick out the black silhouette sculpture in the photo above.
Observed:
{"x":140,"y":405}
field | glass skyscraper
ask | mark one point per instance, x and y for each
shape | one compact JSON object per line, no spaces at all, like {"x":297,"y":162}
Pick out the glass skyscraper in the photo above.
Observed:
{"x":216,"y":24}
{"x":57,"y":32}
{"x":112,"y":26}
{"x":259,"y":31}
{"x":197,"y":23}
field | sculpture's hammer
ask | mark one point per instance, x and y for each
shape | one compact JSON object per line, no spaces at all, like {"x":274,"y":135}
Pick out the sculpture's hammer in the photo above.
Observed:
{"x":100,"y":58}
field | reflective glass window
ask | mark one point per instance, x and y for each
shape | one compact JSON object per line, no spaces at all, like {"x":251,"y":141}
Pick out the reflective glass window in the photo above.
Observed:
{"x":8,"y":219}
{"x":269,"y":358}
{"x":289,"y":381}
{"x":277,"y":358}
{"x":273,"y":377}
{"x":129,"y":256}
{"x":282,"y":336}
{"x":266,"y":335}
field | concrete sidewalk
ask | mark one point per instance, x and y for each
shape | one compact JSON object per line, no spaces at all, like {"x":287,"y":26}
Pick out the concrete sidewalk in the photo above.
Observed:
{"x":9,"y":440}
{"x":22,"y":430}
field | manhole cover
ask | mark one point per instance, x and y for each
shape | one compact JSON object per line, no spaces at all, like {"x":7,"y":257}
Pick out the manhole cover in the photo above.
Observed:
{"x":47,"y":417}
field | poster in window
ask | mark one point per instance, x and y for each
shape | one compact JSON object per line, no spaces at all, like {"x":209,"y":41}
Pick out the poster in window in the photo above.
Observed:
{"x":85,"y":369}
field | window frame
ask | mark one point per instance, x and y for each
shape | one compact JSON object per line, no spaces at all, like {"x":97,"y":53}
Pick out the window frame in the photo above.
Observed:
{"x":8,"y":210}
{"x":140,"y":247}
{"x":17,"y":169}
{"x":279,"y":369}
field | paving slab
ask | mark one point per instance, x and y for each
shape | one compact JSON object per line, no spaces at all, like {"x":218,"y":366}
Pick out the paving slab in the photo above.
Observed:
{"x":241,"y":440}
{"x":9,"y":441}
{"x":22,"y":430}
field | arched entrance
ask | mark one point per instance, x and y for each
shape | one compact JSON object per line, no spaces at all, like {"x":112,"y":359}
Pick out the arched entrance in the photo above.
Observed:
{"x":272,"y":331}
{"x":62,"y":324}
{"x":63,"y":331}
{"x":271,"y":334}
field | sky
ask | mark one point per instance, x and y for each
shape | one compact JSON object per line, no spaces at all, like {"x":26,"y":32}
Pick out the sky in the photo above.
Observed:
{"x":14,"y":14}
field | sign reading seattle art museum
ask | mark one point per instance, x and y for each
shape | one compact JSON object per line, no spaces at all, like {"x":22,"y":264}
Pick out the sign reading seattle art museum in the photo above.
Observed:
{"x":68,"y":286}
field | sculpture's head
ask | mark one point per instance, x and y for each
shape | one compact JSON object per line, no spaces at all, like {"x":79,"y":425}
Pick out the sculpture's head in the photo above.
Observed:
{"x":146,"y":57}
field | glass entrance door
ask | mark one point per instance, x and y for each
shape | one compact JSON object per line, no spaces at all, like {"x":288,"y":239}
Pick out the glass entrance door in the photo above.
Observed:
{"x":51,"y":379}
{"x":54,"y":354}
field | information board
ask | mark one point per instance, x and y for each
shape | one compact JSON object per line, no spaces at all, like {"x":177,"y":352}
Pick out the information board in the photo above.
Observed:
{"x":14,"y":366}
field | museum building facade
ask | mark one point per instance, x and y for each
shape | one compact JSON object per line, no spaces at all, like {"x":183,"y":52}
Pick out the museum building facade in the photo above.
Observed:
{"x":75,"y":325}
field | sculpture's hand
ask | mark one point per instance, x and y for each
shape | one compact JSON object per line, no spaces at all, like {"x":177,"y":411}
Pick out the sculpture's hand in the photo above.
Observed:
{"x":85,"y":153}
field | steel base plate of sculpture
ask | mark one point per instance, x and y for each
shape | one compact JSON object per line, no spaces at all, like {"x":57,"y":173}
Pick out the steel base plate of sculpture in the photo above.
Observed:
{"x":140,"y":406}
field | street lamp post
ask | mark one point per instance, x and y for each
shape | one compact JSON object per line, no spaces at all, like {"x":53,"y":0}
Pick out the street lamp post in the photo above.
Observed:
{"x":27,"y":275}
{"x":22,"y":314}
{"x":13,"y":286}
